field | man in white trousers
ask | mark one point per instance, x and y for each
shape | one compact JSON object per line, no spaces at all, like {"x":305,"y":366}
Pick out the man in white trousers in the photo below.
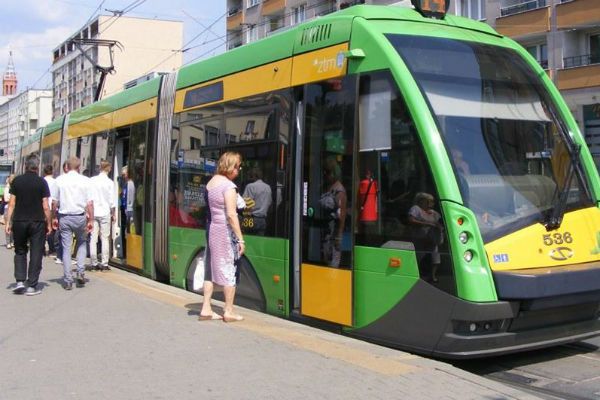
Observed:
{"x":104,"y":216}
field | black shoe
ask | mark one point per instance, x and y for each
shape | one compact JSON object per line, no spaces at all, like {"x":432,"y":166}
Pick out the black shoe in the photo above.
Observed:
{"x":19,"y":288}
{"x":68,"y":285}
{"x":104,"y":268}
{"x":80,"y":279}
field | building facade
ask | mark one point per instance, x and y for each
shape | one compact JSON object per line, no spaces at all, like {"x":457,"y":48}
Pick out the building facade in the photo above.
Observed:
{"x":251,"y":20}
{"x":20,"y":116}
{"x":127,"y":48}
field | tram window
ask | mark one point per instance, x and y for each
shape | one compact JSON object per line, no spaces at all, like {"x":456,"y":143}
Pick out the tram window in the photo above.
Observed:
{"x":71,"y":148}
{"x":200,"y":133}
{"x":201,"y":113}
{"x":48,"y":158}
{"x":257,"y":125}
{"x":188,"y":174}
{"x":56,"y":159}
{"x":100,"y":151}
{"x":328,"y":164}
{"x":85,"y":155}
{"x":257,"y":185}
{"x":395,"y":181}
{"x":137,"y":152}
{"x":150,"y":173}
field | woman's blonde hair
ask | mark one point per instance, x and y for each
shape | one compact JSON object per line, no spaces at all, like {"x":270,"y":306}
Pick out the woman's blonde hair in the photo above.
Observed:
{"x":228,"y":162}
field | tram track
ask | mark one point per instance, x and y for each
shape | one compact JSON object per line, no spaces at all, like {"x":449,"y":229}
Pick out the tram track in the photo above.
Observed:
{"x":549,"y":394}
{"x":570,"y":372}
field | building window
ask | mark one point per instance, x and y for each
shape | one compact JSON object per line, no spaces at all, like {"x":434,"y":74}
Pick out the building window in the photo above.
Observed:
{"x":474,"y":9}
{"x":595,"y":48}
{"x":298,"y":14}
{"x":540,"y":53}
{"x":510,"y":7}
{"x":252,"y":3}
{"x":273,"y":24}
{"x":252,"y":34}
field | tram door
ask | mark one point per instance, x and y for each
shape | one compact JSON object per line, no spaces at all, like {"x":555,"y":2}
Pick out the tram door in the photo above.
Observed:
{"x":129,"y":163}
{"x":326,"y":201}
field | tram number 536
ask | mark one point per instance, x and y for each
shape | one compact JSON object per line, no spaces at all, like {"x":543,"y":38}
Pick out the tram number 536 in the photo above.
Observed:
{"x":557,"y":238}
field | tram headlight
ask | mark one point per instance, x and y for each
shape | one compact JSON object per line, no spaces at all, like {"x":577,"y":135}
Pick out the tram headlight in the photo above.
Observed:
{"x":472,"y":327}
{"x":463,"y":237}
{"x":468,"y":256}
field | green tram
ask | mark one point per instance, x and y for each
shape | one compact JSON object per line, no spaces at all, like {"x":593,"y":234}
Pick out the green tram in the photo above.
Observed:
{"x":469,"y":224}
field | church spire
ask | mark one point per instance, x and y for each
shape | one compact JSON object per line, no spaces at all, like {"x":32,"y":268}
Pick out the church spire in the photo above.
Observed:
{"x":9,"y":80}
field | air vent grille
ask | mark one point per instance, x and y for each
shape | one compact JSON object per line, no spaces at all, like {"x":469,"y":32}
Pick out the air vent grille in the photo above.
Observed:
{"x":315,"y":34}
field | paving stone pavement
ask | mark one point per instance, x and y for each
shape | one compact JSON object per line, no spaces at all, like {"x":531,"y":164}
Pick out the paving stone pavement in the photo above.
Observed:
{"x":126,"y":337}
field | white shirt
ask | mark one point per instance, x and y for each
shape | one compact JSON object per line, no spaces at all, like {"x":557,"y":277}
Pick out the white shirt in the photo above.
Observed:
{"x":73,"y":191}
{"x":51,"y":183}
{"x":103,"y":199}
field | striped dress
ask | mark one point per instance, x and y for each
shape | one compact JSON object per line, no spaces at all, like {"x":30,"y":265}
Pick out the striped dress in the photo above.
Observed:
{"x":220,"y":237}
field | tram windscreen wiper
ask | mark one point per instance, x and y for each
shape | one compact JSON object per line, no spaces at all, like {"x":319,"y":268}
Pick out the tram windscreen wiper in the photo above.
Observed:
{"x":560,"y":203}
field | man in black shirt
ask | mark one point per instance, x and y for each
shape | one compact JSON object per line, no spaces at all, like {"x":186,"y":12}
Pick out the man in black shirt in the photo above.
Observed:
{"x":30,"y":222}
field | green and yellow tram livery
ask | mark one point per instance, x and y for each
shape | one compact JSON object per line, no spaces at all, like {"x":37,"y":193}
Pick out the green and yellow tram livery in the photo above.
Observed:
{"x":429,"y":189}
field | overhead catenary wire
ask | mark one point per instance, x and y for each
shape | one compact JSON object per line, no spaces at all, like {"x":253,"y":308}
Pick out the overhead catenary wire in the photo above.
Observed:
{"x":243,"y":31}
{"x":118,"y":14}
{"x":184,"y":48}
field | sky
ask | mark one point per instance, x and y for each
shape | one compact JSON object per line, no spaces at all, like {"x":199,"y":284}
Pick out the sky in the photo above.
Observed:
{"x":31,"y":29}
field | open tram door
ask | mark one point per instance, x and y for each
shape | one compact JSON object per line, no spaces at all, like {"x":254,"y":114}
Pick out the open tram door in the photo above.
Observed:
{"x":325,"y":200}
{"x":129,"y":168}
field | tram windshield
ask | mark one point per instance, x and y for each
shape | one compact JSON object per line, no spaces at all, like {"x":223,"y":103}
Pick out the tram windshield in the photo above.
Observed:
{"x":511,"y":153}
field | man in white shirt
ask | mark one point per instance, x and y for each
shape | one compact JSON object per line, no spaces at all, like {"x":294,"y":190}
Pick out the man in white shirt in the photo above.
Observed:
{"x":104,"y":215}
{"x":49,"y":177}
{"x":74,"y":200}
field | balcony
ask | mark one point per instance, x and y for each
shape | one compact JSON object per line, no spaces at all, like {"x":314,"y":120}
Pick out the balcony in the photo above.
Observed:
{"x":577,"y":13}
{"x":534,"y":22}
{"x":270,"y":7}
{"x":235,"y":19}
{"x":580,"y":61}
{"x":578,"y":77}
{"x":522,"y":7}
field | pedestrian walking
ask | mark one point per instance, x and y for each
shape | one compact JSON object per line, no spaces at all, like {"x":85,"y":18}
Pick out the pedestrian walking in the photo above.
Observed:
{"x":74,"y":194}
{"x":55,"y":224}
{"x":104,"y":216}
{"x":28,"y":219}
{"x":49,"y":178}
{"x":6,"y":195}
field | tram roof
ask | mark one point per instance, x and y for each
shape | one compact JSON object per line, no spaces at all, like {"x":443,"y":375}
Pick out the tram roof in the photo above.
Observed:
{"x":53,"y":126}
{"x":296,"y":40}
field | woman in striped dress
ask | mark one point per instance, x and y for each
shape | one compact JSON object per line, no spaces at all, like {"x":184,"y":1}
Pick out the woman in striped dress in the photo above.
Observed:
{"x":225,"y":240}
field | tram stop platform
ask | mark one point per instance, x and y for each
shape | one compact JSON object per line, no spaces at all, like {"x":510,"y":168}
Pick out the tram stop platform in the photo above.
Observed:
{"x":126,"y":337}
